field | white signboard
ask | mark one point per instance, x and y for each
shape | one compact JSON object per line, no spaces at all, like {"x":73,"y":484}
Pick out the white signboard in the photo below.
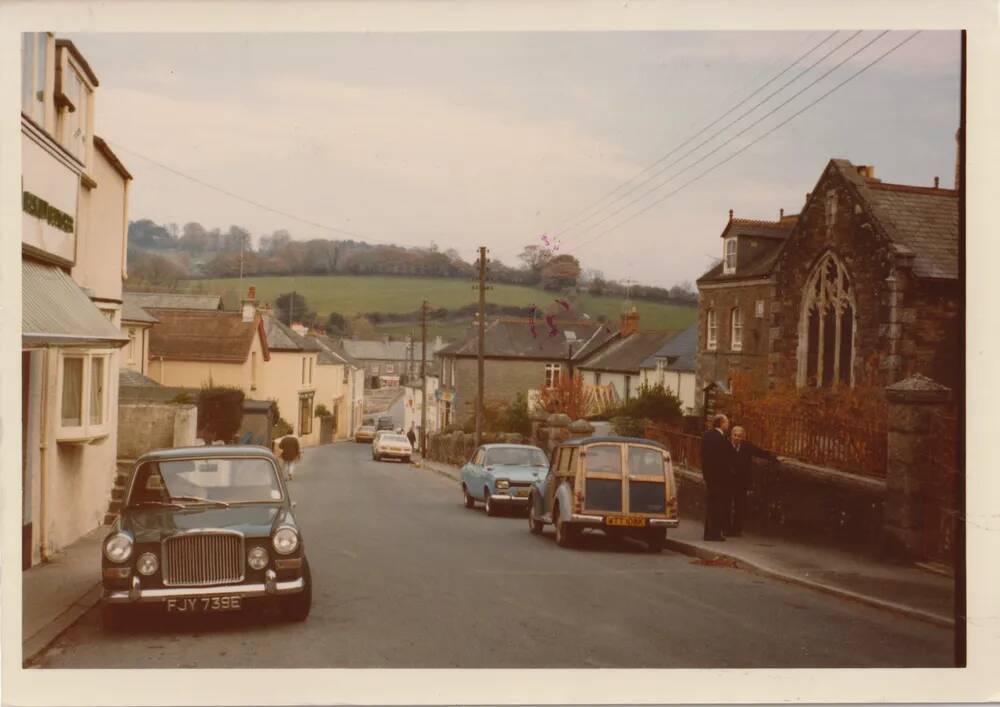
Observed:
{"x":49,"y":191}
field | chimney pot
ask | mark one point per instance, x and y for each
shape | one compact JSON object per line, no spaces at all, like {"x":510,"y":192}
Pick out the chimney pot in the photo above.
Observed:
{"x":730,"y":214}
{"x":937,"y":182}
{"x":781,"y":214}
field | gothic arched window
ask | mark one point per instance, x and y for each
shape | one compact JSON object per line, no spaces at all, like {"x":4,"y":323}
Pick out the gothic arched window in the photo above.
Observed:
{"x":827,"y":326}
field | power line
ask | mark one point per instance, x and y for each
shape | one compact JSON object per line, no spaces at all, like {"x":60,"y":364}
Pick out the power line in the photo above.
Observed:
{"x":693,"y":150}
{"x":596,"y":206}
{"x":742,"y":132}
{"x":247,"y":200}
{"x":752,"y":142}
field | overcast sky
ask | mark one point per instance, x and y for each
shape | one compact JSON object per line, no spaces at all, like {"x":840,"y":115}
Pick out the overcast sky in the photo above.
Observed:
{"x":479,"y":138}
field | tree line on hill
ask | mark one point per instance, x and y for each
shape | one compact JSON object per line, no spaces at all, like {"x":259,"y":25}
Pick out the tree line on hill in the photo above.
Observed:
{"x":165,"y":254}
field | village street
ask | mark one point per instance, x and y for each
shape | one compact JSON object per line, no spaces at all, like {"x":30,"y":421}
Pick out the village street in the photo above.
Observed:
{"x":406,"y":577}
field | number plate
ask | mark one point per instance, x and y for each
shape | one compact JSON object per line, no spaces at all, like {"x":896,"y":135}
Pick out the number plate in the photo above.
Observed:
{"x":629,"y":521}
{"x":521,"y":492}
{"x":194,"y":605}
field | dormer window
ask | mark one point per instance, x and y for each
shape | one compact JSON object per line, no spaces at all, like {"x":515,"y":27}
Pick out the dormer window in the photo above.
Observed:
{"x":729,"y":264}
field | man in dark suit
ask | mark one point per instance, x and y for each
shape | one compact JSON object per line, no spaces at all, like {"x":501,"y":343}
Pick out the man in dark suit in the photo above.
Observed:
{"x":744,"y":452}
{"x":717,"y":469}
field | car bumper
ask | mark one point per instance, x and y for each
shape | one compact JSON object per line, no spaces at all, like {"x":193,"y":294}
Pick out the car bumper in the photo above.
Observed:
{"x":394,"y":454}
{"x":153,"y":595}
{"x":508,"y":498}
{"x":598,"y":521}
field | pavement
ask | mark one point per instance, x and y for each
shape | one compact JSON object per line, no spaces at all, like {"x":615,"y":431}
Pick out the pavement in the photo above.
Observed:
{"x":903,"y":589}
{"x":404,"y":576}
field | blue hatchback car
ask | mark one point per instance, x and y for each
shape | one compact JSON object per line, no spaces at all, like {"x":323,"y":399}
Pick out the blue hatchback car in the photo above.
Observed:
{"x":501,"y":475}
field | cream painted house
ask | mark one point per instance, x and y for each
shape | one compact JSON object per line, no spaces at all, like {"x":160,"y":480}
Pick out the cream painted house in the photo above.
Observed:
{"x":674,"y":366}
{"x":135,"y":325}
{"x":198,"y":348}
{"x":74,"y":200}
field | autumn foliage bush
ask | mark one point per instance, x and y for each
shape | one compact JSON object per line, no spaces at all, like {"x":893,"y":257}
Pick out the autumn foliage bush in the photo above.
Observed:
{"x":568,"y":396}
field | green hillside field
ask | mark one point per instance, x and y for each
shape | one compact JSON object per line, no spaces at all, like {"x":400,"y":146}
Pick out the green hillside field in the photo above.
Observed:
{"x":350,"y":295}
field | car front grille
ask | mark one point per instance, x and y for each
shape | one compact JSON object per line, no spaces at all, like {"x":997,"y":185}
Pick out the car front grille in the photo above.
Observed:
{"x":520,"y":484}
{"x":203,"y":559}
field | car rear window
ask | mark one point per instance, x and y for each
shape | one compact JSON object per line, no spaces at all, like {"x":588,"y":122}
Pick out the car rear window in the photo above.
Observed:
{"x":643,"y":461}
{"x":604,"y":459}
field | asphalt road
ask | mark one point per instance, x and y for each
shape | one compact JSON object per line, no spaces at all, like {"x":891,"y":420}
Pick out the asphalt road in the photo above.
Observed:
{"x":406,"y":577}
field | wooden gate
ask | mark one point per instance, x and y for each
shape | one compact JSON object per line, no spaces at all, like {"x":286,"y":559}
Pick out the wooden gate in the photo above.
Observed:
{"x":326,"y":428}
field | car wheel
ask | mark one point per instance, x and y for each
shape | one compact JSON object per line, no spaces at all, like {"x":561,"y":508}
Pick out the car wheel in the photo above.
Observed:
{"x":112,"y":617}
{"x":655,"y":540}
{"x":534,"y":525}
{"x":406,"y":460}
{"x":565,"y":532}
{"x":296,"y":606}
{"x":491,"y":508}
{"x":470,"y":502}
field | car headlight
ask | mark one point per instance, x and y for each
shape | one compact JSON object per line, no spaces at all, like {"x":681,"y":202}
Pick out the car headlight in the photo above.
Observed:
{"x":118,"y":547}
{"x":286,"y":540}
{"x":503,"y":484}
{"x":147,"y":564}
{"x":257,"y":557}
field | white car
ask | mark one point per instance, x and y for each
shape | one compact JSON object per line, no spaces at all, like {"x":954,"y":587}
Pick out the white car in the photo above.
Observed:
{"x":392,"y":445}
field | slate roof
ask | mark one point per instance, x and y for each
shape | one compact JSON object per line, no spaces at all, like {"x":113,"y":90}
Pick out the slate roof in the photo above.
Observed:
{"x":132,"y":312}
{"x":174,"y":300}
{"x":627,"y":354}
{"x":923,"y":220}
{"x":281,"y":337}
{"x":381,"y":350}
{"x":333,"y":351}
{"x":513,"y":338}
{"x":680,"y":352}
{"x":127,"y":378}
{"x":198,"y":335}
{"x":762,"y":264}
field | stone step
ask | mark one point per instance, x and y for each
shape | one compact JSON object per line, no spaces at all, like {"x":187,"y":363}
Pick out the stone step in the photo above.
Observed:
{"x":115,"y":506}
{"x":110,"y":518}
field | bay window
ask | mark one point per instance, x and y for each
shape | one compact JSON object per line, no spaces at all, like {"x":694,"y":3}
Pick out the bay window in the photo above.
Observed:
{"x":72,"y":391}
{"x":33,"y":75}
{"x":83,"y":395}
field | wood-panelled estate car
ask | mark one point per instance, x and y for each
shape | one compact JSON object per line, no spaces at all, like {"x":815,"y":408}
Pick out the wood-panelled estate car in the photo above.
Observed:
{"x":620,"y":485}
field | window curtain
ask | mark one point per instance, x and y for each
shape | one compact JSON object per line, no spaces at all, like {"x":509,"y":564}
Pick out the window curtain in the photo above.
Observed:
{"x":72,"y":392}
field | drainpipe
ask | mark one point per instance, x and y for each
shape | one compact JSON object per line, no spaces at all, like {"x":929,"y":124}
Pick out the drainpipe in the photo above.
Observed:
{"x":43,"y":460}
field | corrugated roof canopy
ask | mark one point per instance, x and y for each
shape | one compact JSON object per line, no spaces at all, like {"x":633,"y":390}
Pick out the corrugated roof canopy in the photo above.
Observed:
{"x":56,"y":312}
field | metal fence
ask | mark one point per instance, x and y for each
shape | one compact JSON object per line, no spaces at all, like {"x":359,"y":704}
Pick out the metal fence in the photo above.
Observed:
{"x":685,"y":448}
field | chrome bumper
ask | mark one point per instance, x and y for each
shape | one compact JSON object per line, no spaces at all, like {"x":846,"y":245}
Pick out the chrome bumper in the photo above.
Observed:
{"x":138,"y":595}
{"x":507,"y":498}
{"x":599,"y":521}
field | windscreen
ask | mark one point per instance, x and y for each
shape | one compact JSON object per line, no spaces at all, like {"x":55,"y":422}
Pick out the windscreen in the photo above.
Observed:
{"x":190,"y":481}
{"x":516,"y":456}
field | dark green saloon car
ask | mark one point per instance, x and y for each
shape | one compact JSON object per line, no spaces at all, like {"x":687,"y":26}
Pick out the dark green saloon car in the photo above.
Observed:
{"x":205,"y":530}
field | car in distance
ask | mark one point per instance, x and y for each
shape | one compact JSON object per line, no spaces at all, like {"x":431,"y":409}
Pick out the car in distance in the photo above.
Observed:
{"x":392,"y":445}
{"x":500,"y":475}
{"x":385,"y":423}
{"x":205,"y":530}
{"x":365,"y":433}
{"x":623,"y":486}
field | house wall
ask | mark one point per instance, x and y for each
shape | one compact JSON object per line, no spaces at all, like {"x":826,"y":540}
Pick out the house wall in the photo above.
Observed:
{"x":147,"y":425}
{"x":680,"y":383}
{"x":136,"y":358}
{"x":930,"y":333}
{"x":752,"y":360}
{"x":280,"y":380}
{"x":615,"y":380}
{"x":100,"y":264}
{"x":200,"y":374}
{"x":504,"y":379}
{"x":330,"y":389}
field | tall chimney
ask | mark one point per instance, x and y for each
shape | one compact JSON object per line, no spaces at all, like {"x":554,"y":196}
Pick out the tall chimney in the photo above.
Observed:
{"x":958,"y":158}
{"x":937,"y":182}
{"x":730,"y":214}
{"x":630,"y":322}
{"x":250,"y":305}
{"x":781,"y":214}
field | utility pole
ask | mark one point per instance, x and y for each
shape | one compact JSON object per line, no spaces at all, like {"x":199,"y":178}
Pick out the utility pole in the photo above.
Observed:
{"x":423,"y":377}
{"x":481,"y":369}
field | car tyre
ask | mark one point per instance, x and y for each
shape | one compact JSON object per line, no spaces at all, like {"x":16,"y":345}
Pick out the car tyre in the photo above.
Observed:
{"x":566,"y":533}
{"x":296,"y":606}
{"x":470,"y":502}
{"x":112,"y":617}
{"x":534,"y":525}
{"x":491,"y":507}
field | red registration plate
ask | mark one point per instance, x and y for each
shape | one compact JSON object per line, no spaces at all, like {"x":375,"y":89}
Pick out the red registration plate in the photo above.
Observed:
{"x":192,"y":605}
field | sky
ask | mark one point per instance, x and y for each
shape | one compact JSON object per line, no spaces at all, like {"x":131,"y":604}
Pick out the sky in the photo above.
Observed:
{"x":499,"y":139}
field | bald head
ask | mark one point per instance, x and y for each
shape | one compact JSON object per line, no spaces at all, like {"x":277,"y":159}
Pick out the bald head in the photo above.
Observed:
{"x":720,"y":422}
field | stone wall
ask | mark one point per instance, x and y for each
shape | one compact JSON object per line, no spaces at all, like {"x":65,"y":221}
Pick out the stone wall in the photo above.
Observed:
{"x":145,"y":426}
{"x":504,"y":379}
{"x":753,"y":358}
{"x":803,"y":502}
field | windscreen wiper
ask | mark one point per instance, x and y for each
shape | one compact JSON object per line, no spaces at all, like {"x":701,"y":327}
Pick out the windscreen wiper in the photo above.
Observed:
{"x":198,"y":499}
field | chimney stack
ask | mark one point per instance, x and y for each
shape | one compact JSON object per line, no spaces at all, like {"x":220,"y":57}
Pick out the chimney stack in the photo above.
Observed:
{"x":867,"y":171}
{"x":937,"y":182}
{"x":781,"y":214}
{"x":958,"y":158}
{"x":630,"y":322}
{"x":730,"y":214}
{"x":250,"y":305}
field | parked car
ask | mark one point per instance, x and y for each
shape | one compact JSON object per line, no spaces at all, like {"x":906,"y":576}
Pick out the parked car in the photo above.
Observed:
{"x":501,"y":475}
{"x":392,"y":445}
{"x":204,"y":530}
{"x":620,"y":485}
{"x":365,"y":433}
